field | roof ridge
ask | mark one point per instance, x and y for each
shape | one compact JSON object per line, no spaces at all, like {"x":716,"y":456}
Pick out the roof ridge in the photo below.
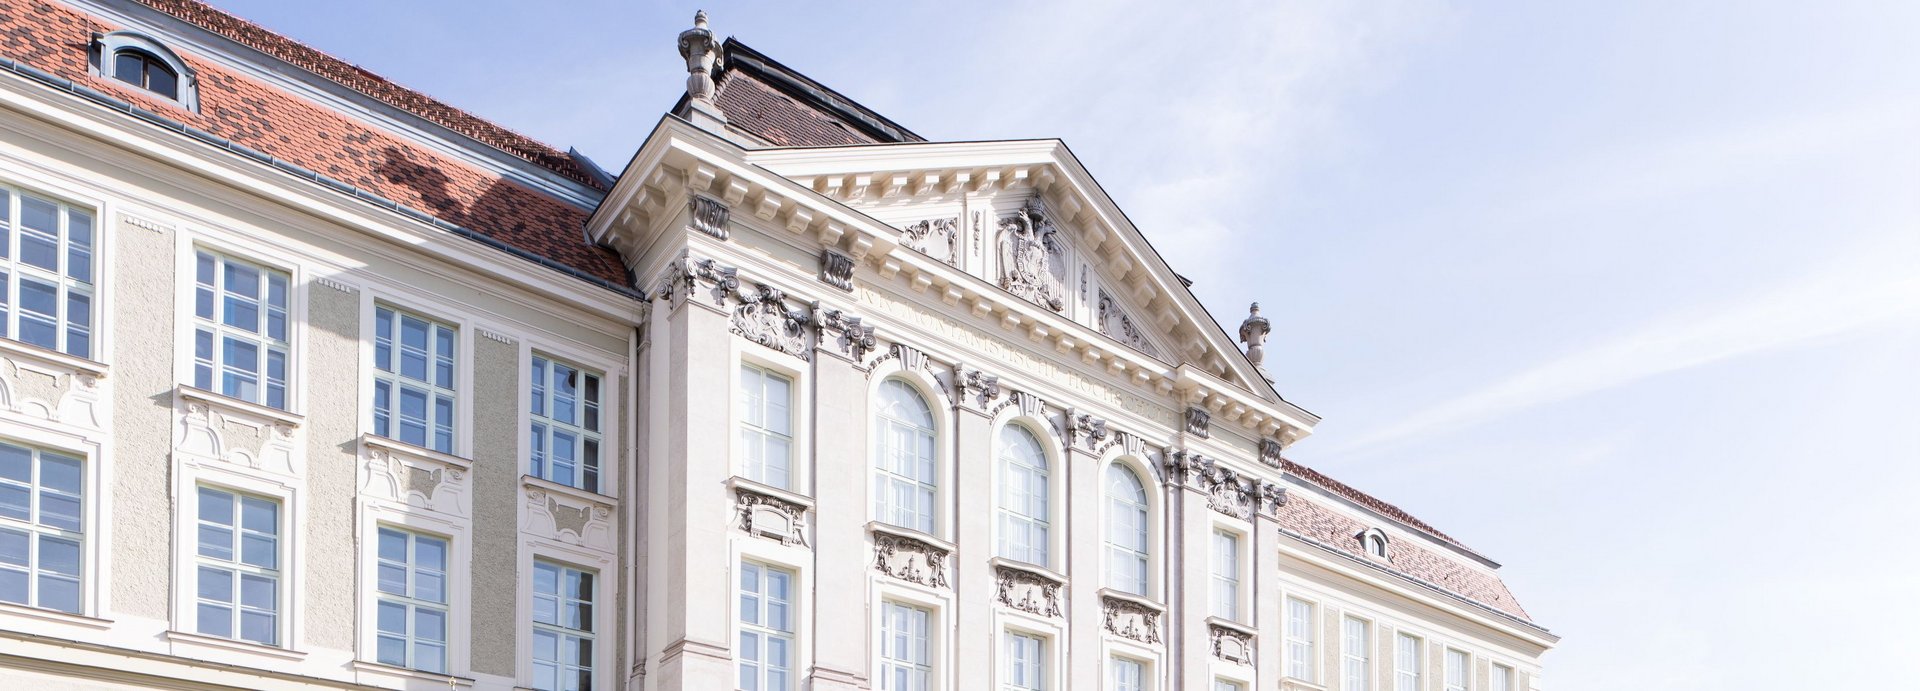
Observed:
{"x":372,"y":85}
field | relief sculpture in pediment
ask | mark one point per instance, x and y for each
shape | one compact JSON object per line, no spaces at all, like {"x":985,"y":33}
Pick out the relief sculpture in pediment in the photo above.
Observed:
{"x":935,"y":238}
{"x":1031,"y":261}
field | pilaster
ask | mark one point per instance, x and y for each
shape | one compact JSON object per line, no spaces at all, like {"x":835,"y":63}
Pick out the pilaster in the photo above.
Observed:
{"x":1084,"y":543}
{"x":974,"y":637}
{"x":842,"y":466}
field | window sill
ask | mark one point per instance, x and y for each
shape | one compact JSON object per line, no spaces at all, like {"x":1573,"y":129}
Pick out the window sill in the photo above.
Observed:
{"x":1005,"y":564}
{"x":8,"y":609}
{"x":1143,"y":601}
{"x":739,"y":484}
{"x":1231,"y":625}
{"x":1292,"y":684}
{"x":402,"y":676}
{"x":570,"y":491}
{"x":208,"y":643}
{"x":400,"y":448}
{"x":882,"y":528}
{"x":48,"y":358}
{"x":229,"y":404}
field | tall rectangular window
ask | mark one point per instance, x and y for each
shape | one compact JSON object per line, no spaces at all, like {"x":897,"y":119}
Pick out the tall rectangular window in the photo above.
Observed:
{"x":1355,"y":673}
{"x":566,"y":424}
{"x":413,"y":362}
{"x":40,"y":536}
{"x":1226,"y":575}
{"x":238,"y":566}
{"x":1026,"y":667}
{"x":411,"y":610}
{"x":766,"y":426}
{"x":1406,"y":663}
{"x":46,"y":273}
{"x":766,"y":652}
{"x":906,"y":649}
{"x":240,"y":329}
{"x":1128,"y":674}
{"x":1299,"y":639}
{"x":1502,"y":678}
{"x":1459,"y":670}
{"x":563,"y":636}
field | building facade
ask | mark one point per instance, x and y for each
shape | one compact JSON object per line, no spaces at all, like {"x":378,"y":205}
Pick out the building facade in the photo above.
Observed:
{"x":312,"y":381}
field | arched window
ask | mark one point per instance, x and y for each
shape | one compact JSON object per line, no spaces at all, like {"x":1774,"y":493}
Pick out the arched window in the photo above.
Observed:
{"x":1375,"y":543}
{"x":142,"y":69}
{"x":1126,"y":531}
{"x":903,"y":456}
{"x":1024,"y":517}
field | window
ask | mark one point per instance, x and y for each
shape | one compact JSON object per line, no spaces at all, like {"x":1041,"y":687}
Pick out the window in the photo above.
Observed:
{"x":238,"y":589}
{"x":1026,"y":663}
{"x":1226,"y":575}
{"x":903,"y":458}
{"x":46,"y":273}
{"x":1224,"y":685}
{"x":1126,"y":531}
{"x":40,"y":531}
{"x":563,"y":599}
{"x":766,"y":628}
{"x":1023,"y":497}
{"x":1299,"y":639}
{"x":1406,"y":663}
{"x":1459,"y":668}
{"x":906,"y":651}
{"x":143,"y":70}
{"x":413,"y":361}
{"x":766,"y":426}
{"x":566,"y":425}
{"x":411,"y":611}
{"x":240,"y":329}
{"x":1375,"y":543}
{"x":1356,"y":675}
{"x":1128,"y":674}
{"x":1502,"y":678}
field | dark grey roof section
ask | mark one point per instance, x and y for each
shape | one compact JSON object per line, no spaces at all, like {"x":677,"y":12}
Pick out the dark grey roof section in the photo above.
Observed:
{"x":797,"y":85}
{"x":162,"y":121}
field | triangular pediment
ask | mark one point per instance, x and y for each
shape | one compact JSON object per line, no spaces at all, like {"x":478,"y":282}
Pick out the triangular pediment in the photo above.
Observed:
{"x":1024,"y":215}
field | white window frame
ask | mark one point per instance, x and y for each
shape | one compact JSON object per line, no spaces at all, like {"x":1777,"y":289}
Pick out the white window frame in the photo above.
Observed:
{"x":541,"y":362}
{"x":1226,"y":573}
{"x":1003,"y":515}
{"x":410,"y":600}
{"x":374,"y":515}
{"x":238,"y":567}
{"x":532,"y":549}
{"x":37,"y":532}
{"x":562,"y":633}
{"x":1503,"y":678}
{"x":795,"y":670}
{"x":939,"y":605}
{"x":106,"y":47}
{"x":1356,"y":655}
{"x":1143,"y":680}
{"x":1043,"y":668}
{"x":1464,"y":670}
{"x":96,"y":508}
{"x":1408,"y":651}
{"x":744,"y":463}
{"x":1115,"y":556}
{"x":890,"y":663}
{"x":395,"y":380}
{"x":220,"y":332}
{"x":1308,"y":662}
{"x":64,"y":284}
{"x":888,"y":481}
{"x":1228,"y":685}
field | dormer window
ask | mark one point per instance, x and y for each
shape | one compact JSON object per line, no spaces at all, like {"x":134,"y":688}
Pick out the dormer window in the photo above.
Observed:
{"x":145,"y":63}
{"x":1374,"y":542}
{"x":143,"y":70}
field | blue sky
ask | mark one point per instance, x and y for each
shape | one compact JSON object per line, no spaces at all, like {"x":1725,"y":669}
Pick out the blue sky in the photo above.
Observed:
{"x":1625,"y":295}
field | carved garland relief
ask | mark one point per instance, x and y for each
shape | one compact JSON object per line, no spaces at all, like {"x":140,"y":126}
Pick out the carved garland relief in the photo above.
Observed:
{"x":936,"y":237}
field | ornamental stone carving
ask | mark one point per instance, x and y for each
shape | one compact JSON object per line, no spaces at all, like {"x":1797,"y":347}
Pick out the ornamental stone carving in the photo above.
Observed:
{"x":844,"y":331}
{"x":836,"y":270}
{"x":420,"y":479}
{"x":1115,"y":323}
{"x":689,"y":274}
{"x":1270,"y":452}
{"x":1130,"y":619}
{"x":709,"y":216}
{"x":1027,"y":590}
{"x":936,"y":237}
{"x":764,"y":318}
{"x":568,"y":515}
{"x":1227,"y":491}
{"x":767,"y":515}
{"x":1231,"y":643}
{"x":50,"y":389}
{"x":1199,"y":422}
{"x":974,"y":386}
{"x":701,"y":51}
{"x":910,"y":559}
{"x":1086,"y":430}
{"x":1253,"y":332}
{"x":212,"y":426}
{"x":1031,"y":258}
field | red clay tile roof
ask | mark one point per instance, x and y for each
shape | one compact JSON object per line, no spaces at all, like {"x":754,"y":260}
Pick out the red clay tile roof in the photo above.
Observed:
{"x":773,"y":102}
{"x":1336,"y":530}
{"x":1367,"y":500}
{"x":300,"y":55}
{"x":251,"y":113}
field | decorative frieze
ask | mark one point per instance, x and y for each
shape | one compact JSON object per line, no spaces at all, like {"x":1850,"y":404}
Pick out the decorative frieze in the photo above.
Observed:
{"x":936,"y":237}
{"x":1027,"y":588}
{"x":709,"y":216}
{"x":1032,"y":257}
{"x":567,"y":514}
{"x":770,"y":513}
{"x":50,"y":386}
{"x":1227,"y":491}
{"x":903,"y":555}
{"x":1231,"y":642}
{"x":764,"y":318}
{"x":844,"y":331}
{"x":836,"y":270}
{"x":1130,"y":617}
{"x":335,"y":284}
{"x":1199,"y":422}
{"x":210,"y":425}
{"x":416,"y":477}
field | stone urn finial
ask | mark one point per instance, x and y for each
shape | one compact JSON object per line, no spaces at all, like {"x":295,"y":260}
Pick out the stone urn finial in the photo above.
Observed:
{"x":701,"y":52}
{"x":1253,"y":332}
